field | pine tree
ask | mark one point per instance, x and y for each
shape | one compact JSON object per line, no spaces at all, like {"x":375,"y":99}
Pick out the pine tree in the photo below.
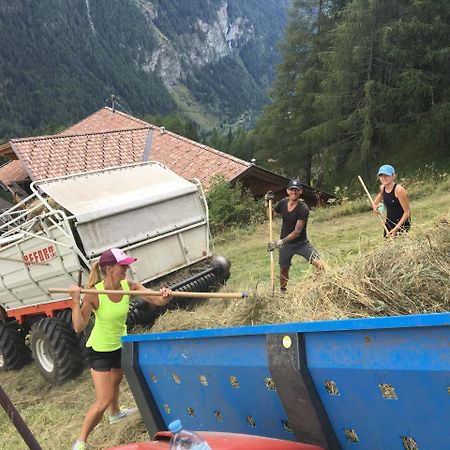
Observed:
{"x":419,"y":43}
{"x":357,"y":70}
{"x":280,"y":131}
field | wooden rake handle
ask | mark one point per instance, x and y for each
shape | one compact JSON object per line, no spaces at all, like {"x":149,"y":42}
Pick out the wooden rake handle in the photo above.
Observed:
{"x":272,"y":262}
{"x":371,"y":201}
{"x":154,"y":293}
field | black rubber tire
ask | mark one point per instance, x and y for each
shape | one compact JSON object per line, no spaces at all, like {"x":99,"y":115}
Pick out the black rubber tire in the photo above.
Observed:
{"x":55,"y":349}
{"x":14,"y":354}
{"x":66,"y":316}
{"x":140,"y":312}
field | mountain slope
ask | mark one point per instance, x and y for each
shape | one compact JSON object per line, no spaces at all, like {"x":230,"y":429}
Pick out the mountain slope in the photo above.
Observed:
{"x":210,"y":59}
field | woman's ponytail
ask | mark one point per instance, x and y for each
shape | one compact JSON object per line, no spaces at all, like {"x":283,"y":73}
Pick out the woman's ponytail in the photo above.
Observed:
{"x":94,"y":276}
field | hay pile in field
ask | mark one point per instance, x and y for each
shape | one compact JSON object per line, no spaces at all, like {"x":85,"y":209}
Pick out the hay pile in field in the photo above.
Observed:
{"x":409,"y":275}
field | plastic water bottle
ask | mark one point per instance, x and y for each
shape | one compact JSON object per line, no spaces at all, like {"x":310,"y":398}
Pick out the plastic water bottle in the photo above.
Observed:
{"x":183,"y":439}
{"x":381,"y":208}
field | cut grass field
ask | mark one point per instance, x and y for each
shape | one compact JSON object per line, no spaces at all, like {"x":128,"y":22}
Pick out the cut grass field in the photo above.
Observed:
{"x":55,"y":413}
{"x":338,"y":233}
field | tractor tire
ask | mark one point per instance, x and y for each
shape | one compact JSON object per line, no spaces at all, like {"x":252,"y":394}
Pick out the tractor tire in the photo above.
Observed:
{"x":140,"y":312}
{"x":14,"y":354}
{"x":55,"y":349}
{"x":66,"y":316}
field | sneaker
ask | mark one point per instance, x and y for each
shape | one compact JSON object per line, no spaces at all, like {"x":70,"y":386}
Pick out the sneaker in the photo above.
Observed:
{"x":122,"y":414}
{"x":79,"y":445}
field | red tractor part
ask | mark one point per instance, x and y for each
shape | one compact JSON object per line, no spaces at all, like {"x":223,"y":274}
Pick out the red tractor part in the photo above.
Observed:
{"x":222,"y":441}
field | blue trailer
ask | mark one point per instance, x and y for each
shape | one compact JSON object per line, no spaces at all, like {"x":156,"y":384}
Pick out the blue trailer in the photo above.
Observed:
{"x":366,"y":384}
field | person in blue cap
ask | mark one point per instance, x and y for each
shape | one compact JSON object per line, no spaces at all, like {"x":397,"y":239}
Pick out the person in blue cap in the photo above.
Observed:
{"x":395,"y":200}
{"x":293,"y":241}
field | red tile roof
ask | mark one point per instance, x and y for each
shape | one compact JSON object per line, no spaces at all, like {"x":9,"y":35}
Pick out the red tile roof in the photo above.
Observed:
{"x":122,"y":140}
{"x":193,"y":160}
{"x":105,"y":119}
{"x":111,"y":138}
{"x":12,"y":171}
{"x":53,"y":156}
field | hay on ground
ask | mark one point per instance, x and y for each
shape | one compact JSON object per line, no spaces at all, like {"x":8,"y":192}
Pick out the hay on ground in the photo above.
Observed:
{"x":408,"y":275}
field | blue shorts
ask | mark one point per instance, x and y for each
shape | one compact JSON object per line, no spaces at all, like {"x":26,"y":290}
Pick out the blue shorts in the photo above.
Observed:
{"x":302,"y":248}
{"x":105,"y":361}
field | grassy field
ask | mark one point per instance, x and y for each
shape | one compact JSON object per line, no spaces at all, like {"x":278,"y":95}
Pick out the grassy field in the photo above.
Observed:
{"x":55,"y":413}
{"x":338,"y":233}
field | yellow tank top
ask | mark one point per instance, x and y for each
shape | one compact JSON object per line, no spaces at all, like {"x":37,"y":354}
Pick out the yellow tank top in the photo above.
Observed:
{"x":110,"y":321}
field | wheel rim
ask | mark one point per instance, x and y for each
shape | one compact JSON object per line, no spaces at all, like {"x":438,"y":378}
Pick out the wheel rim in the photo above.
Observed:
{"x":44,"y":357}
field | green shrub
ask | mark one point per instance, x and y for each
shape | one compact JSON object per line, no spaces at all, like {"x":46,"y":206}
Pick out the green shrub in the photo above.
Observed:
{"x":231,"y":205}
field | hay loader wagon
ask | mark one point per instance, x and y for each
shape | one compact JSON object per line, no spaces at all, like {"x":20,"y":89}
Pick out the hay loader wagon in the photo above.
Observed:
{"x":51,"y":238}
{"x":360,"y":384}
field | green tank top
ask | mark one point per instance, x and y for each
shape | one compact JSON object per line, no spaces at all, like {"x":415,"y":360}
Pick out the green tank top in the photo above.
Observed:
{"x":110,"y":321}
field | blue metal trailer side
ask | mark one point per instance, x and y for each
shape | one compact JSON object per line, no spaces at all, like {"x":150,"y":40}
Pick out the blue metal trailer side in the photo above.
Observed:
{"x":370,"y":384}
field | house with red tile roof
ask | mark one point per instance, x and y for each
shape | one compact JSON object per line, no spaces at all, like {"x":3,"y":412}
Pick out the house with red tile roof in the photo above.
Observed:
{"x":111,"y":138}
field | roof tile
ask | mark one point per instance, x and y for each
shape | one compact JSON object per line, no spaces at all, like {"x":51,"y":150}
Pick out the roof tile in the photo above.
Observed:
{"x":110,"y":138}
{"x":12,"y":171}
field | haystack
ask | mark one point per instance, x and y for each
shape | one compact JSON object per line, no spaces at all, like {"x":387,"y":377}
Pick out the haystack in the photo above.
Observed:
{"x":408,"y":275}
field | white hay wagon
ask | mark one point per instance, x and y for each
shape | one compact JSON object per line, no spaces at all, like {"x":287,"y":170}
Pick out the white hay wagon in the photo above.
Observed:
{"x":51,"y":238}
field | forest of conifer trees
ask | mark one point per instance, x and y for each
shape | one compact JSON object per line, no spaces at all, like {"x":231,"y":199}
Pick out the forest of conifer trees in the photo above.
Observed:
{"x":362,"y":82}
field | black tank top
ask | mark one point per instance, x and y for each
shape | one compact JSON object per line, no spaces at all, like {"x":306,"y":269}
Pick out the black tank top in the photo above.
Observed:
{"x":394,"y":210}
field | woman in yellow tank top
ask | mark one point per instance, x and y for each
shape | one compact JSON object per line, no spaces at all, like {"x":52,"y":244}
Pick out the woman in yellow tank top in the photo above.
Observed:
{"x":104,"y":345}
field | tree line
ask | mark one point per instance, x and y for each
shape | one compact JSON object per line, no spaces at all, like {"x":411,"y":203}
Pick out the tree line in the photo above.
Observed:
{"x":361,"y":82}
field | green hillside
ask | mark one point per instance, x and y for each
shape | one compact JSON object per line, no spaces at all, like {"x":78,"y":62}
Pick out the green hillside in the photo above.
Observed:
{"x":60,"y":61}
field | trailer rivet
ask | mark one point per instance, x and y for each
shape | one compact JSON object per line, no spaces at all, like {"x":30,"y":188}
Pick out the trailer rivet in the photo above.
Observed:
{"x":234,"y":382}
{"x":331,"y":387}
{"x":270,"y":384}
{"x":409,"y":443}
{"x":251,"y":421}
{"x":176,"y":378}
{"x":351,"y":435}
{"x":387,"y":391}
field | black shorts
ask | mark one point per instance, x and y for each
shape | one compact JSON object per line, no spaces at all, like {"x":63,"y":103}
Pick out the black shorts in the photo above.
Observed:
{"x":302,"y":248}
{"x":104,"y":361}
{"x":390,"y":224}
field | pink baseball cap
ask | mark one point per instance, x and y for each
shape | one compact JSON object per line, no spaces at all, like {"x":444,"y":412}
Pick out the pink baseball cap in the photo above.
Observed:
{"x":115,"y":256}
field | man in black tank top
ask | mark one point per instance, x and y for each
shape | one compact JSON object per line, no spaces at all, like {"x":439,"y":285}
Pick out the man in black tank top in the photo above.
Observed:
{"x":293,"y":239}
{"x":395,"y":200}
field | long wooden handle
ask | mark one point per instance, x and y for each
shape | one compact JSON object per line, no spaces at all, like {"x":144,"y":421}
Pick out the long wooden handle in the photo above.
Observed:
{"x":154,"y":293}
{"x":365,"y":189}
{"x":272,"y":264}
{"x":371,"y":201}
